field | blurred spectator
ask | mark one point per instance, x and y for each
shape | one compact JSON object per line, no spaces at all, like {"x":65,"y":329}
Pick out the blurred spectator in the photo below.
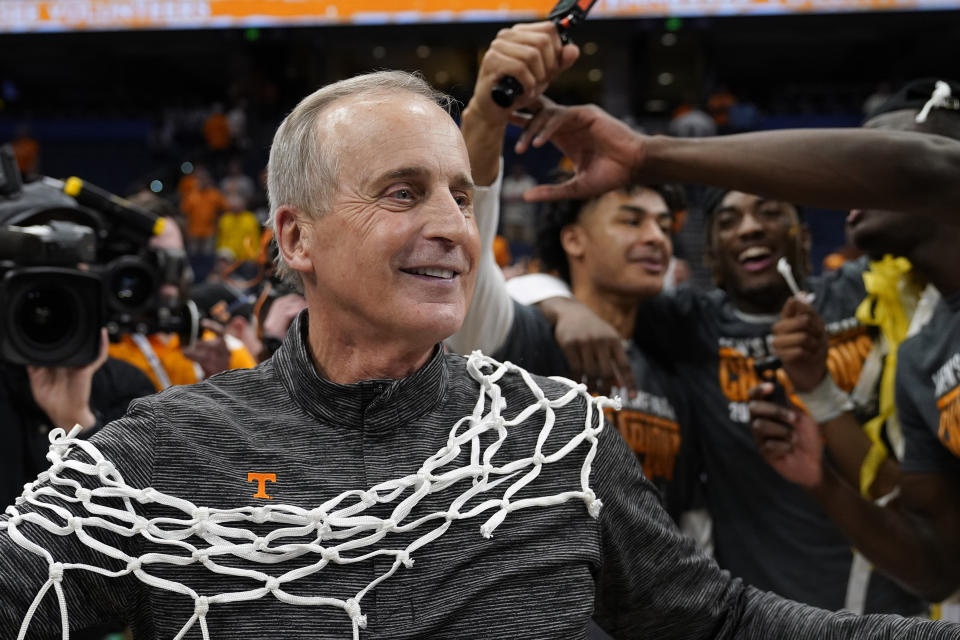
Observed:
{"x":274,"y":316}
{"x":238,"y":230}
{"x":216,"y":130}
{"x":690,"y":122}
{"x":518,"y":215}
{"x":847,"y":253}
{"x":186,"y":185}
{"x":236,"y":182}
{"x":237,"y":124}
{"x":719,"y":104}
{"x":501,"y":252}
{"x":26,"y":149}
{"x":201,"y":208}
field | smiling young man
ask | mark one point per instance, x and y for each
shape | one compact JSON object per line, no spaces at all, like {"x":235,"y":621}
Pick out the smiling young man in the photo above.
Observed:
{"x":765,"y":530}
{"x":913,"y":537}
{"x":612,"y":251}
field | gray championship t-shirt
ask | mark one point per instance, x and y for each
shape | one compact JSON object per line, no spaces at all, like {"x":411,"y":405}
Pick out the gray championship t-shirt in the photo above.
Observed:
{"x":766,"y":530}
{"x":928,"y":393}
{"x":653,"y":418}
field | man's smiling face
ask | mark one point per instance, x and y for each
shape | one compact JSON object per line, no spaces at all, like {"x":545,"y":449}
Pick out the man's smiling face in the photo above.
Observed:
{"x":397,"y":252}
{"x":749,"y":235}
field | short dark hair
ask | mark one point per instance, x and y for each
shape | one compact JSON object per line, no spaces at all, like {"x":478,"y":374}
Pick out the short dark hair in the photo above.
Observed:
{"x":913,"y":96}
{"x":554,"y":216}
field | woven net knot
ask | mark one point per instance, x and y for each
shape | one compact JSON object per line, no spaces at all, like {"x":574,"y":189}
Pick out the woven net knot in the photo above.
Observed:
{"x":56,"y":572}
{"x":470,"y":451}
{"x":352,"y":607}
{"x":405,"y":559}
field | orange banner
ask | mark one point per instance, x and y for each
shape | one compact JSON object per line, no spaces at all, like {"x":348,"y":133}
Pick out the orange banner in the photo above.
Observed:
{"x":68,"y":15}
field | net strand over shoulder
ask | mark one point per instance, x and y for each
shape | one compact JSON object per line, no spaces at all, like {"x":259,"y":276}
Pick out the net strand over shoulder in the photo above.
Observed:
{"x":339,"y":529}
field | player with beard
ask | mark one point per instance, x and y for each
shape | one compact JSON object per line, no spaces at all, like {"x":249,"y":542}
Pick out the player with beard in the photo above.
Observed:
{"x":913,"y":538}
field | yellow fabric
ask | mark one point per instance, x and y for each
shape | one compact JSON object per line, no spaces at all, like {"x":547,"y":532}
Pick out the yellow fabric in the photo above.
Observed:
{"x":883,"y":308}
{"x":179,"y":368}
{"x":239,"y":231}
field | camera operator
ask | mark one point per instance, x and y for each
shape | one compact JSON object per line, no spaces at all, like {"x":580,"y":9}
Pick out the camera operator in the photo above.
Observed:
{"x":34,"y":400}
{"x":162,"y":356}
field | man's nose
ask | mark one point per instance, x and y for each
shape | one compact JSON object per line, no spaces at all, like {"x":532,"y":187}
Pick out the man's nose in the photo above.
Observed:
{"x":749,"y":225}
{"x":653,"y":233}
{"x":446,"y":220}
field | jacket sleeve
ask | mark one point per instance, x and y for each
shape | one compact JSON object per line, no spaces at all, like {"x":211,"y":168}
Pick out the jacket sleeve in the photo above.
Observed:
{"x":653,"y":583}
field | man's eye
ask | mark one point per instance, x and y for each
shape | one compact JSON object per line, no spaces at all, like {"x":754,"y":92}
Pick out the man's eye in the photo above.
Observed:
{"x":726,"y":221}
{"x":462,"y":200}
{"x":401,"y":194}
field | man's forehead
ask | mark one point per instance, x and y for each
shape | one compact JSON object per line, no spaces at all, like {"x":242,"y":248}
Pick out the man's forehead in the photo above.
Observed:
{"x":396,"y":128}
{"x":379,"y":107}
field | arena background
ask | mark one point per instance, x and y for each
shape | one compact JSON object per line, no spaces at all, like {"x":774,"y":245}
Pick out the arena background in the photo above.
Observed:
{"x":95,"y":81}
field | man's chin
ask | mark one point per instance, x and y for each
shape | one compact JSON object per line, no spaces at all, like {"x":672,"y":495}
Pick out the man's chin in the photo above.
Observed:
{"x":768,"y":295}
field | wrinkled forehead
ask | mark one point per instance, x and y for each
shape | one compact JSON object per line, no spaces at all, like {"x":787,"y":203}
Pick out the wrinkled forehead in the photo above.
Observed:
{"x":378,"y":124}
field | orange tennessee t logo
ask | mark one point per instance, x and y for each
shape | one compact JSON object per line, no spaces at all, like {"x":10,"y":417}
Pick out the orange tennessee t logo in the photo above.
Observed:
{"x":262,"y":479}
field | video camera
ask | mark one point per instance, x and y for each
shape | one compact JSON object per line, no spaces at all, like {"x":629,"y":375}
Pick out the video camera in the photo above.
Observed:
{"x":74,"y":258}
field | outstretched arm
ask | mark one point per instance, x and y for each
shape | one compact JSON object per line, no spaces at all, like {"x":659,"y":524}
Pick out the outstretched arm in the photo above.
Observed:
{"x":534,"y":55}
{"x":837,"y":168}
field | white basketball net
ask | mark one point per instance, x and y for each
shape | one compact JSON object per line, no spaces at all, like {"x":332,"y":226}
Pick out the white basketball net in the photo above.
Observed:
{"x":340,"y":523}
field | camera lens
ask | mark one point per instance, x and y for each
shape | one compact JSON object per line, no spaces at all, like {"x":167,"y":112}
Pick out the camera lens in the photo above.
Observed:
{"x":131,"y":284}
{"x":51,"y":316}
{"x":47,"y":315}
{"x":131,"y":287}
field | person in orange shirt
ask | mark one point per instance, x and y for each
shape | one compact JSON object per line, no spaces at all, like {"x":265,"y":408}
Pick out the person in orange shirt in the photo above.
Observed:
{"x":216,"y":130}
{"x":27,"y":152}
{"x":202,"y":207}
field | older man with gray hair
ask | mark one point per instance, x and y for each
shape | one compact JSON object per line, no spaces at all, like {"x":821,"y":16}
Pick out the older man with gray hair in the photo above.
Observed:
{"x":363,"y":481}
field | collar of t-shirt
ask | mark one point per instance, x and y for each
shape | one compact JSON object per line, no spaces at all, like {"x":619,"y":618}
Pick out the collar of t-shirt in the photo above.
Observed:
{"x":371,"y":405}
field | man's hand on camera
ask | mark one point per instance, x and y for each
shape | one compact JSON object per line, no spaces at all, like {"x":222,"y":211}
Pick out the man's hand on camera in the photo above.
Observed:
{"x":63,"y":393}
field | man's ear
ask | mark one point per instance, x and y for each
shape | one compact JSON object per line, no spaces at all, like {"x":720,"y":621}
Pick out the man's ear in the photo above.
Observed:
{"x":573,"y":240}
{"x":293,"y":241}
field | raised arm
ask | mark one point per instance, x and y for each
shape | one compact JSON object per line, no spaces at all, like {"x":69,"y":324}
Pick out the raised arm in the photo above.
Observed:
{"x":837,"y":168}
{"x":534,"y":55}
